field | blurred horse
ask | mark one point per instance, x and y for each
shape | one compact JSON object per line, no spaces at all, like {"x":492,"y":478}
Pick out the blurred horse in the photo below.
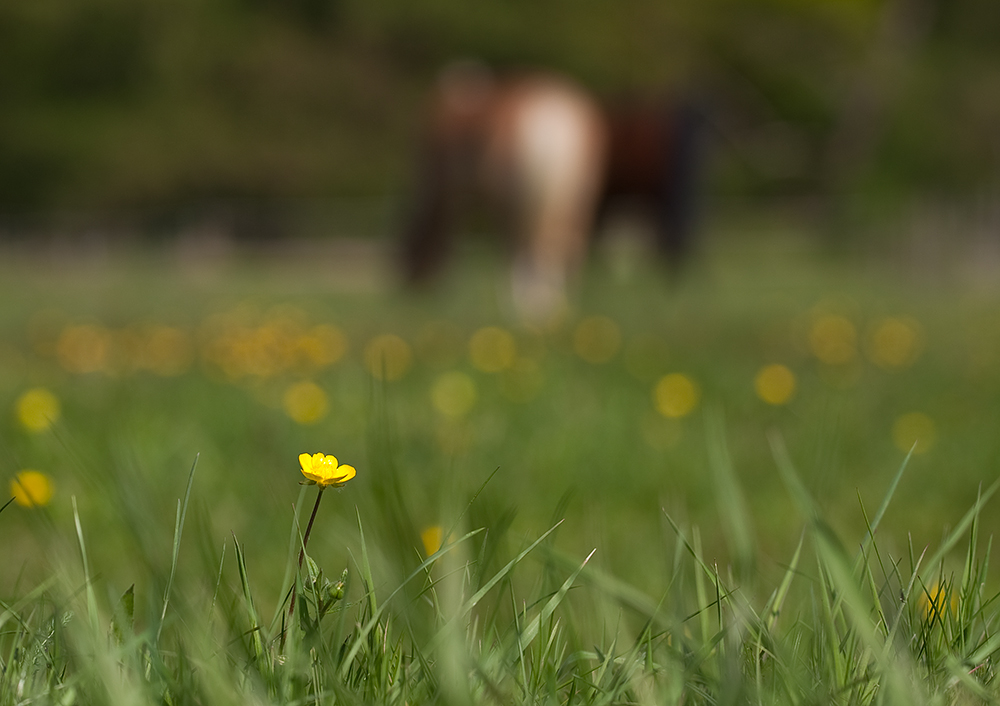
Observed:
{"x":549,"y":159}
{"x":654,"y":153}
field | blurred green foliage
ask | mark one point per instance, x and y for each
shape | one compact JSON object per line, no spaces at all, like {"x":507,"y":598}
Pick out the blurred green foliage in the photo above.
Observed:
{"x":117,"y":104}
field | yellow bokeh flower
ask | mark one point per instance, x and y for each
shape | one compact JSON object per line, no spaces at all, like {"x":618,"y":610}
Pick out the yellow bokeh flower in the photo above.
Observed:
{"x":37,"y":409}
{"x":675,"y":395}
{"x":431,"y":538}
{"x":935,"y":599}
{"x":322,"y":346}
{"x":453,"y":394}
{"x":895,"y":343}
{"x":84,"y":348}
{"x":913,"y":428}
{"x":305,"y":402}
{"x":597,"y":339}
{"x":388,"y":357}
{"x":32,"y":489}
{"x":775,"y":384}
{"x":324,"y":471}
{"x":492,"y":349}
{"x":833,"y":339}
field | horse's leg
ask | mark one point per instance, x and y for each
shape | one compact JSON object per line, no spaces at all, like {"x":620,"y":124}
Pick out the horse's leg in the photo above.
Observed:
{"x":559,"y":144}
{"x":427,"y":235}
{"x":676,"y":197}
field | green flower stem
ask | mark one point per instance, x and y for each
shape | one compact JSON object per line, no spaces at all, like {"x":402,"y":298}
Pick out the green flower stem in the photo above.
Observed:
{"x":302,"y":552}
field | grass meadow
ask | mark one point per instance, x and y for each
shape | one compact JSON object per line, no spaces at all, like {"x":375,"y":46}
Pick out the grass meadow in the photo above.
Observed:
{"x":768,"y":482}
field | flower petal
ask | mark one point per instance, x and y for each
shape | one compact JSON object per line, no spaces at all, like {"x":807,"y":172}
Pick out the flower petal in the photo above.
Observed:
{"x":314,"y":477}
{"x":305,"y":460}
{"x":345,"y":473}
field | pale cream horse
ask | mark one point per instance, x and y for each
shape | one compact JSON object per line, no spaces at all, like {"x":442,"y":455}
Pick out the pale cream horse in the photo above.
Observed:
{"x":535,"y":147}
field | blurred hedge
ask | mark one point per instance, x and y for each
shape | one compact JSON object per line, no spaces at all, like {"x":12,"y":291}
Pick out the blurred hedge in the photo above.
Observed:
{"x":119,"y":104}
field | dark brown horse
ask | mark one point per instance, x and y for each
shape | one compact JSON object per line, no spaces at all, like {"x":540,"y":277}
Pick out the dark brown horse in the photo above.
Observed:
{"x":549,"y":159}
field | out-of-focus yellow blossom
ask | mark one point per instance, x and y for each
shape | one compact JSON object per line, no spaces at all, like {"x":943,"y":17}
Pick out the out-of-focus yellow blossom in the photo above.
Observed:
{"x":322,"y":346}
{"x":775,"y":384}
{"x":453,"y":394}
{"x":239,"y":346}
{"x":597,"y":339}
{"x":32,"y":489}
{"x":675,"y":395}
{"x":324,"y":471}
{"x":431,"y":538}
{"x":895,"y":343}
{"x":37,"y":409}
{"x":522,"y":381}
{"x":935,"y":599}
{"x":305,"y":402}
{"x":84,"y":348}
{"x":388,"y":357}
{"x":914,"y":428}
{"x":833,"y":339}
{"x":492,"y":349}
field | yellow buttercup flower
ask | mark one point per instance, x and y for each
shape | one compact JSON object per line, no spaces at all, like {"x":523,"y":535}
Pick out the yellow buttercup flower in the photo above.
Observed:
{"x":32,"y":489}
{"x":305,"y":402}
{"x":388,"y":357}
{"x":894,"y":343}
{"x":37,"y":409}
{"x":676,"y":395}
{"x":936,"y":599}
{"x":432,"y":537}
{"x":84,"y":349}
{"x":492,"y":349}
{"x":775,"y":384}
{"x":324,"y":471}
{"x":914,"y":430}
{"x":833,"y":339}
{"x":453,"y":394}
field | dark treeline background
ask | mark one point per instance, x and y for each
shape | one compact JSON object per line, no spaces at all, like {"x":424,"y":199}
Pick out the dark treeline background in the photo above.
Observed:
{"x":130,"y":105}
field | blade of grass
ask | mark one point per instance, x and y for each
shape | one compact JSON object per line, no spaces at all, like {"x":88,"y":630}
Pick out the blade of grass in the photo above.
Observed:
{"x":963,"y":524}
{"x":732,"y":506}
{"x":256,"y":640}
{"x":182,"y":507}
{"x":376,"y":613}
{"x":91,"y":598}
{"x":531,"y":631}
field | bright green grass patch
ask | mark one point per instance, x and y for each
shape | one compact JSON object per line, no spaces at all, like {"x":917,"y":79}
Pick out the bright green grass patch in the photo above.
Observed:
{"x":643,"y":426}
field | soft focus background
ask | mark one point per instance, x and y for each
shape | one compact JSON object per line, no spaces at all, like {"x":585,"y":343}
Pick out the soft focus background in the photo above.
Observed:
{"x":198,"y":208}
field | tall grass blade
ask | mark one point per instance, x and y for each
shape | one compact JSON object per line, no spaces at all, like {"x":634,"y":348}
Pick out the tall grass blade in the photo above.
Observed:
{"x":376,"y":613}
{"x":254,"y":632}
{"x":773,"y":610}
{"x":91,"y":598}
{"x":531,"y":631}
{"x":967,"y":519}
{"x":732,"y":506}
{"x":877,"y":519}
{"x":182,"y":507}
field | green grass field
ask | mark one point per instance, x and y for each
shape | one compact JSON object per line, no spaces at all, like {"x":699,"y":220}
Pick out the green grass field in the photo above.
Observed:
{"x":725,"y":499}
